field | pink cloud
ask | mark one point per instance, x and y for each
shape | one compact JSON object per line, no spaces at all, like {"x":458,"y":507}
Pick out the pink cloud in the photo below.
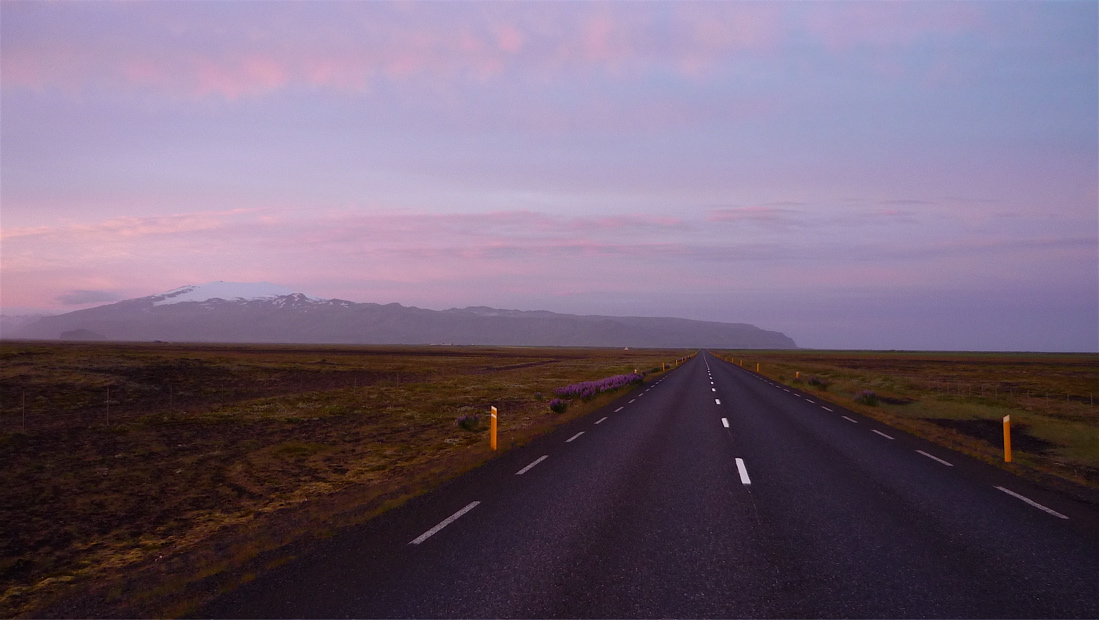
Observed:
{"x":269,"y":47}
{"x":762,"y":215}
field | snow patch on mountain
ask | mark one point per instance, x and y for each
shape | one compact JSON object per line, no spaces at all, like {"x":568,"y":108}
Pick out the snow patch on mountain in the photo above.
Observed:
{"x":229,"y":291}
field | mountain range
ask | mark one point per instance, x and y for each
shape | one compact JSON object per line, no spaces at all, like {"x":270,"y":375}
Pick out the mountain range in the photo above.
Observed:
{"x":268,"y":313}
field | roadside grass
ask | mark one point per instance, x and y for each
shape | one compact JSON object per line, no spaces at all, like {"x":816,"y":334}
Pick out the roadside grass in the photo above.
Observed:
{"x":959,"y":400}
{"x":219,"y":461}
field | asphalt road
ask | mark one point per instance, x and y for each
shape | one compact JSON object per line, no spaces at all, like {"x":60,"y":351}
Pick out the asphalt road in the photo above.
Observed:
{"x":707,"y":493}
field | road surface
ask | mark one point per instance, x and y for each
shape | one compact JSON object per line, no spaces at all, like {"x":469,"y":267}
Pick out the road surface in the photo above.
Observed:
{"x":709,"y":492}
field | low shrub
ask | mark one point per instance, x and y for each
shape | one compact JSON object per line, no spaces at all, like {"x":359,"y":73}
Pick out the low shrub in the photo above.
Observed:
{"x":469,"y":422}
{"x":818,"y":383}
{"x":558,"y":406}
{"x":867,"y":397}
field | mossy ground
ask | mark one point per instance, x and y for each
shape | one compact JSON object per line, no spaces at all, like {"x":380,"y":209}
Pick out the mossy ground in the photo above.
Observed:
{"x":215,"y":457}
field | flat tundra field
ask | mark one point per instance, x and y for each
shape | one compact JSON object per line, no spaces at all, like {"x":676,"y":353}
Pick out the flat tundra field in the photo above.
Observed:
{"x":209,"y":459}
{"x":141,"y":479}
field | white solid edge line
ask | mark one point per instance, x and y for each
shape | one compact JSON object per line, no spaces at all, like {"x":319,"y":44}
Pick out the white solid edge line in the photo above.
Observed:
{"x":717,"y":400}
{"x":619,"y":409}
{"x":825,"y":408}
{"x":935,"y":458}
{"x":601,"y":419}
{"x":743,"y":473}
{"x":725,"y":422}
{"x":574,"y":437}
{"x":1033,"y":503}
{"x":881,"y":433}
{"x":536,"y":461}
{"x":445,"y":522}
{"x":850,"y":420}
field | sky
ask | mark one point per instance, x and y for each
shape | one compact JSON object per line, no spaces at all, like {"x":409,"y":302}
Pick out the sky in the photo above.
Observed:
{"x":856,"y":175}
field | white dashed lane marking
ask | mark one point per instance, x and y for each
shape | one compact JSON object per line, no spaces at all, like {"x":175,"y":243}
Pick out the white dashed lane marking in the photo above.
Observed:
{"x":725,"y":422}
{"x":528,"y":467}
{"x":601,"y":419}
{"x":935,"y":458}
{"x":619,"y":409}
{"x":850,"y":420}
{"x":717,"y":400}
{"x":825,"y":408}
{"x":881,"y":433}
{"x":1033,"y":503}
{"x":445,"y":522}
{"x":743,"y":473}
{"x":569,"y":440}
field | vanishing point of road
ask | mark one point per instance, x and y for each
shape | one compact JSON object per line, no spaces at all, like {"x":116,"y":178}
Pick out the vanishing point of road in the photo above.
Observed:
{"x":710,"y":492}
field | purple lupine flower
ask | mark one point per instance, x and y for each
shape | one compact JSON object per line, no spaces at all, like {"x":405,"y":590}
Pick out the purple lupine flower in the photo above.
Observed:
{"x":587,"y":390}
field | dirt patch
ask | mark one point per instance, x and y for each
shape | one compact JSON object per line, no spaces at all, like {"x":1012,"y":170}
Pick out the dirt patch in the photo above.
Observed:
{"x":992,"y":432}
{"x":892,"y":400}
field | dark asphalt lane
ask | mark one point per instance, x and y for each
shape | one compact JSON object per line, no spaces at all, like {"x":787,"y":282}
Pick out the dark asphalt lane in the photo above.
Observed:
{"x":646,"y":514}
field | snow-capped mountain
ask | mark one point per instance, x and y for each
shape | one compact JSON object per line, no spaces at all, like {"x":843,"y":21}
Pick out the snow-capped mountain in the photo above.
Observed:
{"x":229,"y":291}
{"x":264,"y":312}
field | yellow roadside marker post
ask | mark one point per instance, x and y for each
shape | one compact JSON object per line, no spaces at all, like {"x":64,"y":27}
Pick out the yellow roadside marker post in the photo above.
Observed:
{"x":797,"y":374}
{"x":492,"y":431}
{"x":1007,"y":439}
{"x":757,"y":366}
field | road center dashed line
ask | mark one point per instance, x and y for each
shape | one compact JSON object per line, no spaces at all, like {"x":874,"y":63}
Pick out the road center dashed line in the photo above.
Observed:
{"x":744,"y":479}
{"x":1033,"y":503}
{"x":850,"y":420}
{"x":717,"y":400}
{"x":881,"y":433}
{"x":601,"y":419}
{"x":825,"y":408}
{"x":725,"y":422}
{"x":619,"y":409}
{"x":935,"y":458}
{"x":631,"y":402}
{"x":445,"y":522}
{"x":810,"y":401}
{"x":528,"y":467}
{"x":569,"y":440}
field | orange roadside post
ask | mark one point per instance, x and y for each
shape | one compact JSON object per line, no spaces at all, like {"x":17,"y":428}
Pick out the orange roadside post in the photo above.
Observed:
{"x":1007,"y":439}
{"x":492,"y":430}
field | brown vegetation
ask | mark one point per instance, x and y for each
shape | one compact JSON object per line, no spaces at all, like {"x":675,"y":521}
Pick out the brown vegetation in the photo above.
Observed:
{"x":209,"y":461}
